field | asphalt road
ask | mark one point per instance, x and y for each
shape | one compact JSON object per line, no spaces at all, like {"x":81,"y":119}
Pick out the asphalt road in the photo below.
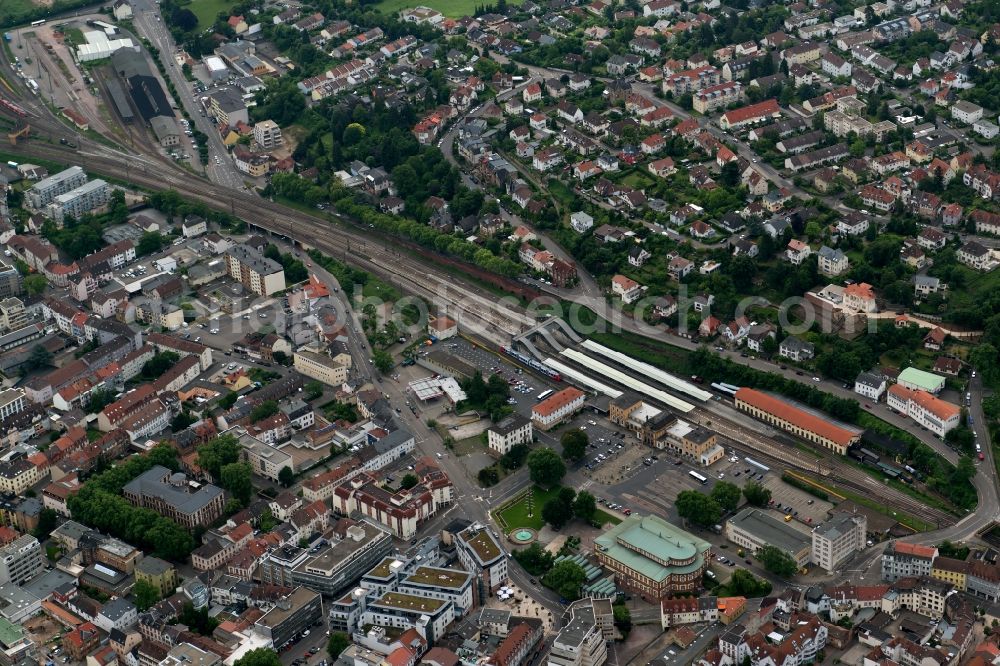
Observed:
{"x":146,"y":17}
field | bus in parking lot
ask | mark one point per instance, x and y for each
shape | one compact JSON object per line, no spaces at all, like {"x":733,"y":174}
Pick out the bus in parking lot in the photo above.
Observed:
{"x":544,"y":394}
{"x":698,"y":477}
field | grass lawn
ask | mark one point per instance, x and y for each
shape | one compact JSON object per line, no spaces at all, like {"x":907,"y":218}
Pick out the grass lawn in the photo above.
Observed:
{"x":638,"y":180}
{"x":73,"y":37}
{"x":207,"y":10}
{"x":453,"y":8}
{"x":603,"y":517}
{"x":516,"y":514}
{"x":17,"y":7}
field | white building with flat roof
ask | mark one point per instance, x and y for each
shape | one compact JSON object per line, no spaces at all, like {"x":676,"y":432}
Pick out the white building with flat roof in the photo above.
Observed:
{"x":838,"y":539}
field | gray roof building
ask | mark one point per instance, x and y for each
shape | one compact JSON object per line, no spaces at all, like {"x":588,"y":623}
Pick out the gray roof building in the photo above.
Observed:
{"x":171,"y":495}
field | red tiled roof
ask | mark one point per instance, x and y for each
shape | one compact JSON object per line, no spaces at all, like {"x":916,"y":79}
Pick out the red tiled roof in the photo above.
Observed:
{"x":915,"y":550}
{"x":766,"y":108}
{"x":557,"y":401}
{"x":795,"y":416}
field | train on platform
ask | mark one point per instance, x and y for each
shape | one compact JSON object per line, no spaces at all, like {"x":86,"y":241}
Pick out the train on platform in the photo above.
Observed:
{"x":532,"y":363}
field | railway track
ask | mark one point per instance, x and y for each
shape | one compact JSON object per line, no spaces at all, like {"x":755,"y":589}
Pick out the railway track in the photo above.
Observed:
{"x":758,"y":444}
{"x":154,"y":172}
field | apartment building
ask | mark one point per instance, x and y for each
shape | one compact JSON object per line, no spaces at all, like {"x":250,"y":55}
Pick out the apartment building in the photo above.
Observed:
{"x":718,"y":96}
{"x":267,"y":134}
{"x":748,"y":115}
{"x":480,"y":552}
{"x":320,"y":366}
{"x":332,"y":569}
{"x":172,"y":496}
{"x":44,"y":191}
{"x":557,"y":408}
{"x":80,"y":200}
{"x":254,"y":271}
{"x":926,"y":409}
{"x":228,"y":108}
{"x":838,"y":539}
{"x":511,"y":431}
{"x":160,"y":574}
{"x":583,"y":639}
{"x":402,"y":512}
{"x":12,"y":401}
{"x":905,"y":560}
{"x":952,"y":571}
{"x":871,"y":385}
{"x":21,"y":560}
{"x":518,"y":644}
{"x":20,"y":474}
{"x":10,"y":281}
{"x":289,"y":617}
{"x":691,"y":80}
{"x":437,"y":583}
{"x":400,"y":611}
{"x":264,"y":460}
{"x":831,"y":261}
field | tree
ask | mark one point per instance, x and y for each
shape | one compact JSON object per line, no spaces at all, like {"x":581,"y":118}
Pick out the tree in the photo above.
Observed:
{"x":409,"y":481}
{"x":585,"y":506}
{"x":40,"y":357}
{"x":565,"y":578}
{"x":546,"y":467}
{"x":559,"y":510}
{"x":145,"y":594}
{"x":535,"y":559}
{"x":726,"y":495}
{"x":264,"y":410}
{"x":235,"y":478}
{"x":698,"y":508}
{"x":286,"y":477}
{"x":180,"y":422}
{"x":215,"y":453}
{"x":574,"y":444}
{"x":199,"y":621}
{"x":382,"y":361}
{"x":338,"y":643}
{"x":730,"y":174}
{"x":35,"y":284}
{"x":756,"y":494}
{"x":623,"y":618}
{"x":159,"y":364}
{"x":46,"y":523}
{"x":150,"y":242}
{"x":488,"y":476}
{"x":514,"y":458}
{"x":777,"y":561}
{"x":313,"y":390}
{"x":260,"y":657}
{"x":744,"y":584}
{"x":183,"y":18}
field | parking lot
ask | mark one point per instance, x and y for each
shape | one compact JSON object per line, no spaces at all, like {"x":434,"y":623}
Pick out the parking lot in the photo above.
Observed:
{"x":802,"y":506}
{"x":524,"y":394}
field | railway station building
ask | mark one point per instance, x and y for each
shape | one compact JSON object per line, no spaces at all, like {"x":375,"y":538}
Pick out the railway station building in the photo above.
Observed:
{"x":795,"y":420}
